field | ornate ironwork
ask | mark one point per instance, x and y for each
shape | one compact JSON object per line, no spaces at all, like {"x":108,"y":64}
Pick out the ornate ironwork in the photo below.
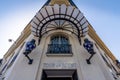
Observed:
{"x":53,"y":17}
{"x":59,"y":48}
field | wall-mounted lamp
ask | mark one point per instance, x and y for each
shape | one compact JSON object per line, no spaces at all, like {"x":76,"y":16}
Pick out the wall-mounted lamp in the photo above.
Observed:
{"x":11,"y":40}
{"x":30,"y":45}
{"x":118,"y":63}
{"x":88,"y":45}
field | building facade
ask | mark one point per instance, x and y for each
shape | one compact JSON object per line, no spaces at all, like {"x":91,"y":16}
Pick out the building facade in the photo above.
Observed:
{"x":66,"y":48}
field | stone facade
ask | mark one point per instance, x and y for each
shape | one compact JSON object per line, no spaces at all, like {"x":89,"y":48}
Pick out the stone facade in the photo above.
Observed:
{"x":15,"y":65}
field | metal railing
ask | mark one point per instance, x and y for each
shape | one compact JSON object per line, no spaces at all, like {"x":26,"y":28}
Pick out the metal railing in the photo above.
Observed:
{"x":59,"y":48}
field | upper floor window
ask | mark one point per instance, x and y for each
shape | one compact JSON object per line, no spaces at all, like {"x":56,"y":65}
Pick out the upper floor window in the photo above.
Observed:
{"x":59,"y":44}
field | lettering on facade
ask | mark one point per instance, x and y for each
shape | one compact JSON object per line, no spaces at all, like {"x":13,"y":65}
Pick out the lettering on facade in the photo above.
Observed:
{"x":59,"y":65}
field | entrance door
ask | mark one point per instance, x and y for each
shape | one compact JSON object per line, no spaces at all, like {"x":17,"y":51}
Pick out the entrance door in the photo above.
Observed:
{"x":59,"y":78}
{"x":59,"y":75}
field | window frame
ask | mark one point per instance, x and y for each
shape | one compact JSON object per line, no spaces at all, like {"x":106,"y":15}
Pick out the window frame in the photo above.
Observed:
{"x":59,"y":43}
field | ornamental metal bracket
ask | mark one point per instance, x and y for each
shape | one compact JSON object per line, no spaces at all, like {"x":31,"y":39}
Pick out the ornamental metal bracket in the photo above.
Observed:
{"x":118,"y":74}
{"x":30,"y":60}
{"x":88,"y":60}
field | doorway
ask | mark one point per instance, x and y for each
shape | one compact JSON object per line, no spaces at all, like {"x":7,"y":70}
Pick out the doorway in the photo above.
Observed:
{"x":59,"y":78}
{"x":59,"y":75}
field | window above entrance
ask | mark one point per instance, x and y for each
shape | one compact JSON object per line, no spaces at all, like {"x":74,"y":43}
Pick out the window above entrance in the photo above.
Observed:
{"x":59,"y":44}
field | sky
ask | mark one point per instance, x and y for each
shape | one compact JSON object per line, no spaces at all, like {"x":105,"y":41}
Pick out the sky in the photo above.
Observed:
{"x":103,"y":15}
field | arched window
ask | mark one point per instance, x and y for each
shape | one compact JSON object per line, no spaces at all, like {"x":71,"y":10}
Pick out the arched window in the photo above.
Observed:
{"x":59,"y":44}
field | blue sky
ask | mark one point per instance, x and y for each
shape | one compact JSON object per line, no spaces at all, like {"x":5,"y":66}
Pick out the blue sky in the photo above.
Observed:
{"x":103,"y":15}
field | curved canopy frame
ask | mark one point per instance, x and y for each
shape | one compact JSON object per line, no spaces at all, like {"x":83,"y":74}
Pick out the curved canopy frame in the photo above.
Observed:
{"x":57,"y":17}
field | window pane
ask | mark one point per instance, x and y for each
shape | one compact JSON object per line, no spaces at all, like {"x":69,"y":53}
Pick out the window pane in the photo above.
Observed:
{"x":55,"y":40}
{"x":64,"y":40}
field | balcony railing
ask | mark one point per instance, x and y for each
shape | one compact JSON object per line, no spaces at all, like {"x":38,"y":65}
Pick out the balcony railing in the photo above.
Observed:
{"x":59,"y":49}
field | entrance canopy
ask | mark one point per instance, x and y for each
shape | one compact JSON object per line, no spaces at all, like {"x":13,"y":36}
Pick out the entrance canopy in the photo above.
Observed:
{"x":59,"y":17}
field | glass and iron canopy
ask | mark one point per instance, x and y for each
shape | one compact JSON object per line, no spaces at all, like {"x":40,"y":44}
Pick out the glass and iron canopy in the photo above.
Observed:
{"x":59,"y":17}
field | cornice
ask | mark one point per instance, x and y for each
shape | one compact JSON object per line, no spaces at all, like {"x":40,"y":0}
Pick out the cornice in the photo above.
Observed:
{"x":59,"y":2}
